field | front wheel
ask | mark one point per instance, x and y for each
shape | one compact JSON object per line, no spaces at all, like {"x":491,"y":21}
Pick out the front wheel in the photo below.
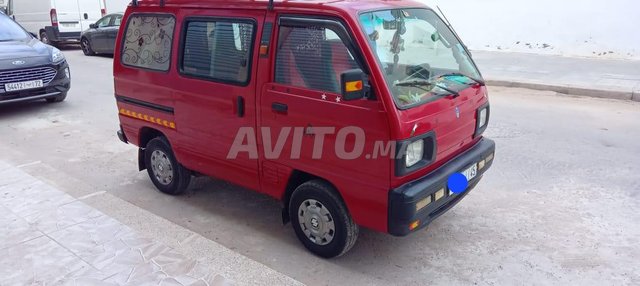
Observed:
{"x":321,"y":220}
{"x":169,"y":176}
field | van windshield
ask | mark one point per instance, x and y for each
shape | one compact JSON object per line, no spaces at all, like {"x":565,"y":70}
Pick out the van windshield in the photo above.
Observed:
{"x":10,"y":31}
{"x":420,"y":57}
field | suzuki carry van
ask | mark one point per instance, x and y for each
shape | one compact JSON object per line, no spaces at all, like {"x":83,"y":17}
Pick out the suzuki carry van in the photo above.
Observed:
{"x":352,"y":113}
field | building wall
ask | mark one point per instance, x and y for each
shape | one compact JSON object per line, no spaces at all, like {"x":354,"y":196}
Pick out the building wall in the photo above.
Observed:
{"x":591,"y":28}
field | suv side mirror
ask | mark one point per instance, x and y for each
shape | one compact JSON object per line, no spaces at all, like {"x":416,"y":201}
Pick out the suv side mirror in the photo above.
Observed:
{"x":354,"y":84}
{"x":92,"y":26}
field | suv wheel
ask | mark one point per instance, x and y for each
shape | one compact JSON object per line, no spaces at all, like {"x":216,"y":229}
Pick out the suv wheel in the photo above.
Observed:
{"x":321,"y":220}
{"x":164,"y":170}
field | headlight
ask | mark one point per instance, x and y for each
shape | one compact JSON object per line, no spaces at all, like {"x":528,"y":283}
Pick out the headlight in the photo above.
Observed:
{"x":415,"y":152}
{"x":482,"y":118}
{"x":56,"y":55}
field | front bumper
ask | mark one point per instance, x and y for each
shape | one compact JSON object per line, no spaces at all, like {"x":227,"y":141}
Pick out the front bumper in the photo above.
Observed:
{"x":403,"y":216}
{"x":58,"y":86}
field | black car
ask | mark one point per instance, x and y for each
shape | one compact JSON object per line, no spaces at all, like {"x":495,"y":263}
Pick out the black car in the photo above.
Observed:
{"x":100,"y":38}
{"x":29,"y":69}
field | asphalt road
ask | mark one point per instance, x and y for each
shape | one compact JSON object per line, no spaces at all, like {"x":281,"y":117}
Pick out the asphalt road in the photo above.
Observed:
{"x":561,"y":204}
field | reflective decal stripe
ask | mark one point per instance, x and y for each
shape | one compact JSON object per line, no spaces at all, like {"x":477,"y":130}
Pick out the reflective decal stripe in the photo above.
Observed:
{"x":148,"y":118}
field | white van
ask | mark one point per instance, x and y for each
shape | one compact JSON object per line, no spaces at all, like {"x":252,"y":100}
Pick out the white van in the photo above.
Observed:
{"x":56,"y":21}
{"x":116,"y":6}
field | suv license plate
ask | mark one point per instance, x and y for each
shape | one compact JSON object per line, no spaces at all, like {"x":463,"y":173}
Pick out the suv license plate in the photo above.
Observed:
{"x":23,"y":85}
{"x":471,"y":172}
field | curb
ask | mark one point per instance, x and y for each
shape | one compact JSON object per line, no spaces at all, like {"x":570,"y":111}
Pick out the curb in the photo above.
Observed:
{"x":569,"y":90}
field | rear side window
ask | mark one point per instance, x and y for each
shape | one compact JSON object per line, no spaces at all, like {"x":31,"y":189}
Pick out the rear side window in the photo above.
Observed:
{"x":219,"y":50}
{"x":117,"y":19}
{"x":312,"y":58}
{"x":147,"y":42}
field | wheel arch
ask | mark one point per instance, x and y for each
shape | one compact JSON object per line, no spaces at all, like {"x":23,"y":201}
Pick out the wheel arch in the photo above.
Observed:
{"x":146,"y":134}
{"x":296,"y":179}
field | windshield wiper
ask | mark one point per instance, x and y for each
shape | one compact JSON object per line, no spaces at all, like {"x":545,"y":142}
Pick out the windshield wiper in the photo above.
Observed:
{"x":478,"y":81}
{"x":422,"y":82}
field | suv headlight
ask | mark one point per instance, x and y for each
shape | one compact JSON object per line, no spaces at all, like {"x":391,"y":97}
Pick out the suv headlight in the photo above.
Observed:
{"x":56,"y":55}
{"x":415,"y":152}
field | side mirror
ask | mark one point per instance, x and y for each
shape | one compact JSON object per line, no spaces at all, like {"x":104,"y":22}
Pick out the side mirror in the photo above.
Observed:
{"x":354,"y":84}
{"x":93,"y":26}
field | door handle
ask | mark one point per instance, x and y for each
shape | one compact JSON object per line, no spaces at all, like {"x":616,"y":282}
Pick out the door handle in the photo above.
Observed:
{"x":240,"y":106}
{"x":279,"y":107}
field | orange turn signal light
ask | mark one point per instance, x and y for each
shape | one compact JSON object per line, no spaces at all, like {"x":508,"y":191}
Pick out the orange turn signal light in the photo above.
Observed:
{"x":352,"y":86}
{"x":264,"y":50}
{"x":414,"y":225}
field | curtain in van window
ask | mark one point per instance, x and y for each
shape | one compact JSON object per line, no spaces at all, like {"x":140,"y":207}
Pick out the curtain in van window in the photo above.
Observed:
{"x":147,"y":42}
{"x":218,"y":50}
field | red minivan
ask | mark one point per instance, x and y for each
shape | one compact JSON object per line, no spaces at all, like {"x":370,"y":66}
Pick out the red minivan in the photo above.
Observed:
{"x":352,"y":113}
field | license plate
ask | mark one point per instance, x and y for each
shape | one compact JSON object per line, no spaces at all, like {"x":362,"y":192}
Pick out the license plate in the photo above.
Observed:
{"x":23,"y":85}
{"x":69,"y":25}
{"x":471,"y":172}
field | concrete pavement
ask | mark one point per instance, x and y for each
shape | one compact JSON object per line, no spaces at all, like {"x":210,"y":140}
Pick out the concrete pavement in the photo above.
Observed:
{"x":607,"y":78}
{"x":559,"y":206}
{"x":50,"y":237}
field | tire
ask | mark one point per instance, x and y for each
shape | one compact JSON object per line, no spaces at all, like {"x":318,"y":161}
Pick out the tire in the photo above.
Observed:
{"x":318,"y":199}
{"x":86,"y":47}
{"x":58,"y":98}
{"x":45,"y":39}
{"x":166,"y":173}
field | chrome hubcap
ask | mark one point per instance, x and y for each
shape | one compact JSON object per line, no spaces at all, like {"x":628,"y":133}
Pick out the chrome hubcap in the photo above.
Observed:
{"x":161,"y":167}
{"x":316,"y":222}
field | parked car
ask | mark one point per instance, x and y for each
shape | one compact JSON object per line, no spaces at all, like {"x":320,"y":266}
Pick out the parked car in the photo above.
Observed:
{"x":352,"y":113}
{"x":29,"y":69}
{"x":101,"y":36}
{"x":56,"y":22}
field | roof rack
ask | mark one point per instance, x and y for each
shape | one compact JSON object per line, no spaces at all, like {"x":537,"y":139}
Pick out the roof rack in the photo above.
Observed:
{"x":135,"y":4}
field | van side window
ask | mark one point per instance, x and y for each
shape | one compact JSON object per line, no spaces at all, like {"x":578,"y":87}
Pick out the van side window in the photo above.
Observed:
{"x":218,"y":50}
{"x":147,"y":42}
{"x":312,"y":58}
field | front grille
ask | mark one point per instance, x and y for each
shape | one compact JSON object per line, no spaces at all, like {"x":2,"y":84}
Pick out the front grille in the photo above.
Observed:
{"x":46,"y":74}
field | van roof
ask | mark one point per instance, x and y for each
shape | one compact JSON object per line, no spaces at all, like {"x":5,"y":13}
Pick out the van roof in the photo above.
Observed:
{"x":340,"y":5}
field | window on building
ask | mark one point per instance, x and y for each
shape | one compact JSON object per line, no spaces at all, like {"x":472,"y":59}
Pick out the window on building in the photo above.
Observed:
{"x":147,"y":42}
{"x":218,"y":50}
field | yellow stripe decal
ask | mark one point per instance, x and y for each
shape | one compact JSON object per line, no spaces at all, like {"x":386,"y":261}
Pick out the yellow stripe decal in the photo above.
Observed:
{"x":148,"y":118}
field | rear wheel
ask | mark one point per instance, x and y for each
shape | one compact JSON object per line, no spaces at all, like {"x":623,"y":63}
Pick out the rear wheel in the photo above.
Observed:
{"x":45,"y":39}
{"x":86,"y":47}
{"x":321,"y":220}
{"x":164,"y":170}
{"x":58,"y":98}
